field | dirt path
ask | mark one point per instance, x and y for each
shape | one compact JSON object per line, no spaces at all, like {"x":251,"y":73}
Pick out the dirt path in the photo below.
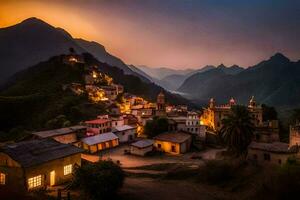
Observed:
{"x":154,"y":189}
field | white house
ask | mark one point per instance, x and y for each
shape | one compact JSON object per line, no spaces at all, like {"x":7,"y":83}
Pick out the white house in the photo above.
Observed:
{"x":125,"y":133}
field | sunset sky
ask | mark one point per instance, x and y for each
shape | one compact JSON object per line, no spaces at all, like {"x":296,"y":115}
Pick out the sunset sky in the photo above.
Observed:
{"x":173,"y":33}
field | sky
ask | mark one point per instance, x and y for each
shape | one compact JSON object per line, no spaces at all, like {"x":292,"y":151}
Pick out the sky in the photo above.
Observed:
{"x":173,"y":33}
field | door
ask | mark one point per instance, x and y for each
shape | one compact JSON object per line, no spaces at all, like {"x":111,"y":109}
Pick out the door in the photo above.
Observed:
{"x":52,"y":178}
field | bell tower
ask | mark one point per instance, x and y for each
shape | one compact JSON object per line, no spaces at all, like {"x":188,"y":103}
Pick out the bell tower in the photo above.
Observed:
{"x":161,"y":104}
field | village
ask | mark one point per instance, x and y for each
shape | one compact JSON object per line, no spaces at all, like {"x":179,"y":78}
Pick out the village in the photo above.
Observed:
{"x":47,"y":159}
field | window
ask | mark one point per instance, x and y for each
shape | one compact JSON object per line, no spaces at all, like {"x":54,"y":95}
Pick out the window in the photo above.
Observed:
{"x":173,"y":148}
{"x":2,"y":179}
{"x":35,"y":181}
{"x":159,"y":146}
{"x":267,"y":157}
{"x":67,"y":169}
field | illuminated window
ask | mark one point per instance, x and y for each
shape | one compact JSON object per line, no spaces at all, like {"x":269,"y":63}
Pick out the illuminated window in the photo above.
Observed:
{"x":67,"y":169}
{"x":35,"y":181}
{"x":2,"y":179}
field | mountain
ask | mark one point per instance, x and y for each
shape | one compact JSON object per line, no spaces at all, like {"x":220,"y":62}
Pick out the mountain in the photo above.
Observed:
{"x":234,"y":69}
{"x":274,"y":81}
{"x":35,"y":96}
{"x":33,"y":40}
{"x":162,"y":72}
{"x":169,"y":82}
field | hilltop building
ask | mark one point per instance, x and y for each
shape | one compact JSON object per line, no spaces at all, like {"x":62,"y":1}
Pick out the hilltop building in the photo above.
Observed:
{"x":213,"y":115}
{"x":295,"y":135}
{"x":36,"y":164}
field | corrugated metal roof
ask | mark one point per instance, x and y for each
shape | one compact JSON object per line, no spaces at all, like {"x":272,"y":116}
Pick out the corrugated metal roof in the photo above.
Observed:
{"x":104,"y":137}
{"x":143,"y":143}
{"x":122,"y":128}
{"x":56,"y":132}
{"x":35,"y":152}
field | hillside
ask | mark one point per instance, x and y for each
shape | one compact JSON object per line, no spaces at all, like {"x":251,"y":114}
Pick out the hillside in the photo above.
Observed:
{"x":35,"y":96}
{"x":274,"y":82}
{"x":33,"y":40}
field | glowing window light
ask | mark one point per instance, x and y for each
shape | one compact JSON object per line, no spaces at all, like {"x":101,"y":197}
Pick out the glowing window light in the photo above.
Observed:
{"x":2,"y":179}
{"x":35,"y":181}
{"x":67,"y":169}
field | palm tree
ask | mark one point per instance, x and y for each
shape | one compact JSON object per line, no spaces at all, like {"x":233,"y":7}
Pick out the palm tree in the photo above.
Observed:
{"x":237,"y":130}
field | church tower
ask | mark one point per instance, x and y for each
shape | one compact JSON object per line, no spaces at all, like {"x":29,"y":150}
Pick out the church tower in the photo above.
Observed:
{"x":161,"y":104}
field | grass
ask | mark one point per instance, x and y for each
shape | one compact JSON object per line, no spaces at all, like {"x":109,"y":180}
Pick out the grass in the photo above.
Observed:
{"x":155,"y":167}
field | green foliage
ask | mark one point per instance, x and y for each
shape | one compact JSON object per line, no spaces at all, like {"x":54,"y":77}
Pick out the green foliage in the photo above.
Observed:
{"x":58,"y":122}
{"x":156,"y":126}
{"x":99,"y":180}
{"x":237,"y":130}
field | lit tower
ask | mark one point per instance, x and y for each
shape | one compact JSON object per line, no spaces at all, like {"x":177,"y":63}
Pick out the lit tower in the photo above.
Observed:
{"x":161,"y":104}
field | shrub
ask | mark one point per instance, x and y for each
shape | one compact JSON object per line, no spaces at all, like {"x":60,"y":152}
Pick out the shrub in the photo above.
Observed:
{"x":99,"y":180}
{"x":217,"y":172}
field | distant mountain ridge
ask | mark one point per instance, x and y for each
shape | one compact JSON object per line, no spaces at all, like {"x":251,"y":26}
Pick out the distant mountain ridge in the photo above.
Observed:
{"x":275,"y":82}
{"x":33,"y":40}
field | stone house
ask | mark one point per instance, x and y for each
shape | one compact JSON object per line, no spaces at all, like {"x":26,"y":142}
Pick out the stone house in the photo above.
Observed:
{"x":173,"y":142}
{"x":275,"y":153}
{"x":141,"y":147}
{"x":36,"y":164}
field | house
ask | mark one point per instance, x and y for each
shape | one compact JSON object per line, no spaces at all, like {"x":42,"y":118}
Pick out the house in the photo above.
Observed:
{"x":98,"y":126}
{"x":275,"y":153}
{"x":267,"y":132}
{"x":110,"y":92}
{"x":36,"y":164}
{"x":173,"y":142}
{"x":125,"y":133}
{"x":141,"y":147}
{"x":100,"y":142}
{"x":68,"y":135}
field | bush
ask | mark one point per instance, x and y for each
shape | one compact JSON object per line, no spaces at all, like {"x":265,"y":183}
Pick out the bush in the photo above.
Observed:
{"x":283,"y":183}
{"x":99,"y":180}
{"x":217,"y":172}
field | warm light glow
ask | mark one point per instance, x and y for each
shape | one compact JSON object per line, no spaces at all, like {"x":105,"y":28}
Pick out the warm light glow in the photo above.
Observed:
{"x":35,"y":181}
{"x":68,"y":169}
{"x":2,"y":179}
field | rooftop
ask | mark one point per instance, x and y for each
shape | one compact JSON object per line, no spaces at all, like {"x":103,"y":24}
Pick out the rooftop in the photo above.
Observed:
{"x":35,"y":152}
{"x":122,"y":128}
{"x":56,"y":132}
{"x":104,"y":137}
{"x":176,"y":137}
{"x":97,"y":121}
{"x":143,"y":143}
{"x":275,"y":147}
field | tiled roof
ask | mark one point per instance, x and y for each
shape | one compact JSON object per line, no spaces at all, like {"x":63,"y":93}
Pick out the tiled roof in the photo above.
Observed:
{"x":176,"y":137}
{"x":276,"y":147}
{"x":35,"y":152}
{"x":56,"y":132}
{"x":104,"y":137}
{"x":143,"y":143}
{"x":97,"y":121}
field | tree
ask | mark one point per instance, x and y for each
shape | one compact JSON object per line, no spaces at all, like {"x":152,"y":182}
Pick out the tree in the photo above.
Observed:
{"x":99,"y":180}
{"x":156,"y":126}
{"x":237,"y":130}
{"x":269,"y":113}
